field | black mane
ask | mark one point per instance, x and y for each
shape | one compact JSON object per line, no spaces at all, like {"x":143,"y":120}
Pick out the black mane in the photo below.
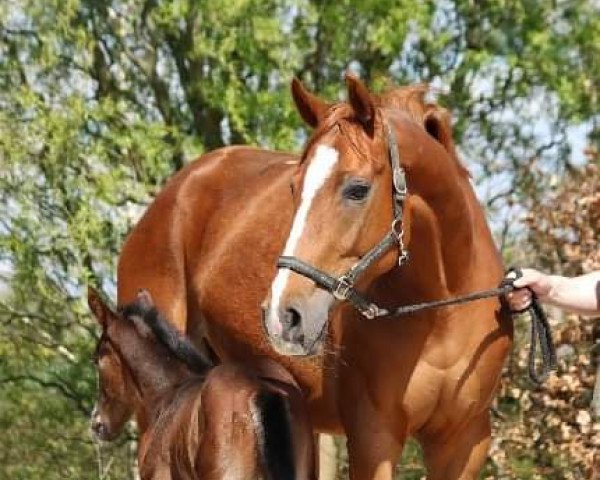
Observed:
{"x":177,"y":343}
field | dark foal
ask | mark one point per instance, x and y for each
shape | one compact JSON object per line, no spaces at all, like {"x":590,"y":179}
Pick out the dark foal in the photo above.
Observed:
{"x":196,"y":420}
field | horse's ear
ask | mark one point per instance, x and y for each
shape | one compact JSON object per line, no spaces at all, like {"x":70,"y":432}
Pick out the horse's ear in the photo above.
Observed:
{"x":361,"y":102}
{"x":311,"y":108}
{"x":437,"y":123}
{"x":98,"y":307}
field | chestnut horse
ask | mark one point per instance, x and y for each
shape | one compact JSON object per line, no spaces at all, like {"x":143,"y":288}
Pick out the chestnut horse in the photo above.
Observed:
{"x":195,"y":420}
{"x":207,"y":249}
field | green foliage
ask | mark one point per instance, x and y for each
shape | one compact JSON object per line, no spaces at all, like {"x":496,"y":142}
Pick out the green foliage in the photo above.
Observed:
{"x":100,"y":101}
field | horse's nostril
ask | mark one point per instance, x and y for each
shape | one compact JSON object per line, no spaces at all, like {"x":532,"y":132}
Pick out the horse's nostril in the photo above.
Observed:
{"x":293,"y":318}
{"x":292,"y":326}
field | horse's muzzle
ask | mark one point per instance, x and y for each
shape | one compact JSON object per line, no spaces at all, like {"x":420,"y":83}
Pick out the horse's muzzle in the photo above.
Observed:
{"x":98,"y":429}
{"x":284,"y":330}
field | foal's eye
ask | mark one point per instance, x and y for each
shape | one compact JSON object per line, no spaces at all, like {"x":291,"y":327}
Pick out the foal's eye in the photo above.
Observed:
{"x":356,"y":191}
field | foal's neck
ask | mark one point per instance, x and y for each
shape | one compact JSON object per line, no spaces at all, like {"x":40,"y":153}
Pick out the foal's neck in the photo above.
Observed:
{"x":156,"y":375}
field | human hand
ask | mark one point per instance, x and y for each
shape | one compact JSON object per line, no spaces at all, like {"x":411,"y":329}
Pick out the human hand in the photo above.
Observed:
{"x":536,"y":281}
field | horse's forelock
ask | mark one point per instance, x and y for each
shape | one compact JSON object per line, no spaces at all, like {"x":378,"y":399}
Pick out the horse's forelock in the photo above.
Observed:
{"x":335,"y":114}
{"x":408,"y":99}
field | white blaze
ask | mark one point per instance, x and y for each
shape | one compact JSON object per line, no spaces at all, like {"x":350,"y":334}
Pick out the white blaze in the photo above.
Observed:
{"x":318,"y":172}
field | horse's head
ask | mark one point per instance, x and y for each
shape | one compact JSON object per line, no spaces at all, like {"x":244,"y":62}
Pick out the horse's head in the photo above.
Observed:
{"x":353,"y":217}
{"x":344,"y":207}
{"x":117,"y":391}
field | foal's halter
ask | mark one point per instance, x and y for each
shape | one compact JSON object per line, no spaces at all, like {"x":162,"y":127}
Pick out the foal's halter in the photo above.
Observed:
{"x":343,"y":287}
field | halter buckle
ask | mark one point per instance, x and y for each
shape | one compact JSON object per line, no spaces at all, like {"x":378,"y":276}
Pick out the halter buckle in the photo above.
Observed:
{"x":342,"y":289}
{"x":399,"y":179}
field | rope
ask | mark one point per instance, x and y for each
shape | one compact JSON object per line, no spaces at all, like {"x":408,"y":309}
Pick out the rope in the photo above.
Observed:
{"x":417,"y":307}
{"x":540,"y":328}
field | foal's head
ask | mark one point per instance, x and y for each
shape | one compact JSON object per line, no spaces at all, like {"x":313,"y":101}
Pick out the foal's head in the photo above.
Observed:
{"x":118,"y":392}
{"x":343,"y":194}
{"x":139,"y":356}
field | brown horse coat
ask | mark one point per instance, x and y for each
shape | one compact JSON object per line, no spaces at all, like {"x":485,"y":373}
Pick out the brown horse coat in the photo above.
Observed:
{"x":215,"y":428}
{"x":223,"y":422}
{"x":207,"y":248}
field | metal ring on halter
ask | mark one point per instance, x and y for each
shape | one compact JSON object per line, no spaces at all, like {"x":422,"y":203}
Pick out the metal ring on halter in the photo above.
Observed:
{"x":399,"y":233}
{"x":403,"y":256}
{"x":342,"y":289}
{"x":373,"y":311}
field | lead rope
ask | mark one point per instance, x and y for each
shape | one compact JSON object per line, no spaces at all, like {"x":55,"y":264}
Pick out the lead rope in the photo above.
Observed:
{"x":540,"y":322}
{"x":540,"y":333}
{"x":540,"y":328}
{"x":595,"y":403}
{"x":342,"y":290}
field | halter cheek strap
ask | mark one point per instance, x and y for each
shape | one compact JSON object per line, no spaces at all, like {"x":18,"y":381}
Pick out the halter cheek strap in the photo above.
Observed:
{"x":343,"y":287}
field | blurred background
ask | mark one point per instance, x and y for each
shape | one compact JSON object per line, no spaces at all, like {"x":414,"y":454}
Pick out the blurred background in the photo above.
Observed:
{"x":101,"y":101}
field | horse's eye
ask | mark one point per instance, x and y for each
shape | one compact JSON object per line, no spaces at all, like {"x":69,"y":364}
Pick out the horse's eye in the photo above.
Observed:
{"x":356,"y":191}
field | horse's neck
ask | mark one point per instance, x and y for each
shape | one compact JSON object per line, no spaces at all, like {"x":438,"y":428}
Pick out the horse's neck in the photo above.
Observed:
{"x":451,"y":248}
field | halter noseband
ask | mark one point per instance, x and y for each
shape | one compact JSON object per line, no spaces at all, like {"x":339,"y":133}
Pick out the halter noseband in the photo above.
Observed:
{"x":342,"y":288}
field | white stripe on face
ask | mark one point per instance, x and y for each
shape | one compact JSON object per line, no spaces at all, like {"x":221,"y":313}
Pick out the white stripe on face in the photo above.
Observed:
{"x":318,"y":172}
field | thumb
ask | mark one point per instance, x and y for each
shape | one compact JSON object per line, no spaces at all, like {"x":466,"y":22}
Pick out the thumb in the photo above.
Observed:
{"x":521,"y":282}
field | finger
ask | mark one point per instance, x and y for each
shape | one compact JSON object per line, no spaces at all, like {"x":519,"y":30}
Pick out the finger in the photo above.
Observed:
{"x":522,"y":295}
{"x":520,"y":305}
{"x":525,"y":304}
{"x":528,"y":278}
{"x":521,"y":282}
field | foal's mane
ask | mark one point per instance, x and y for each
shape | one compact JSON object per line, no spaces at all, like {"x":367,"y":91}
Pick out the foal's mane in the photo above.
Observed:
{"x":410,"y":99}
{"x":177,"y":343}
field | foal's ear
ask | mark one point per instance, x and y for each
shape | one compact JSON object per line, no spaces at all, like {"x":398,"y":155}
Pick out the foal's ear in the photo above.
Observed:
{"x":311,"y":108}
{"x":361,"y":101}
{"x":98,"y":307}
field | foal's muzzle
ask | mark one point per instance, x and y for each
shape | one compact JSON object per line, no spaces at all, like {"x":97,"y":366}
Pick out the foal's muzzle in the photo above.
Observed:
{"x":98,"y":429}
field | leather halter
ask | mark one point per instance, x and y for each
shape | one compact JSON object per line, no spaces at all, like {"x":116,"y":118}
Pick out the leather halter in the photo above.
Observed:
{"x":343,"y":287}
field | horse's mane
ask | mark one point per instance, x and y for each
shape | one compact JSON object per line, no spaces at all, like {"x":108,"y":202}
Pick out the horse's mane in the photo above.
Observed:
{"x":408,"y":99}
{"x":177,"y":343}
